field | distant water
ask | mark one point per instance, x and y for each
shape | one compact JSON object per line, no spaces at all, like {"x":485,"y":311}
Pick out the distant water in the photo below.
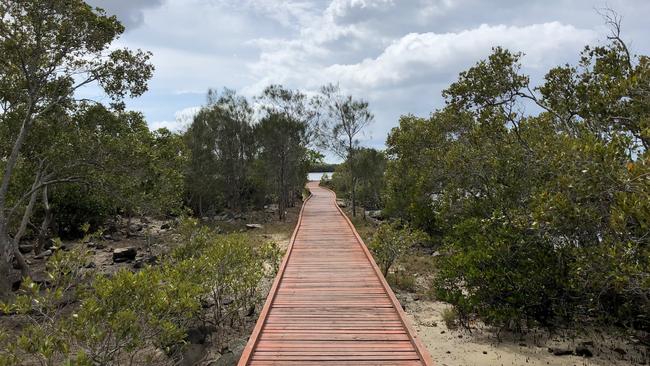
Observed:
{"x":317,"y":176}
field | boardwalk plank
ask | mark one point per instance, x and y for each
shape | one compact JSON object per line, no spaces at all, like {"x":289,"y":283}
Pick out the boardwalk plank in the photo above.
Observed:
{"x":329,"y":304}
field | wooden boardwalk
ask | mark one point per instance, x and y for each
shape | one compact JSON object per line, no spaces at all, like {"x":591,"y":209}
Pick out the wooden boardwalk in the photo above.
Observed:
{"x":329,"y":304}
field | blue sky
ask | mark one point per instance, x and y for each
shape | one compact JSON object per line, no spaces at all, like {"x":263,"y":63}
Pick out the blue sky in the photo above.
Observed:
{"x":397,"y":54}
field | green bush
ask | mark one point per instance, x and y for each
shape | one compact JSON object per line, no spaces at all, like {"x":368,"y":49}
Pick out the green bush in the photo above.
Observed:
{"x":391,"y":241}
{"x":402,"y":281}
{"x":450,"y":317}
{"x":82,"y":318}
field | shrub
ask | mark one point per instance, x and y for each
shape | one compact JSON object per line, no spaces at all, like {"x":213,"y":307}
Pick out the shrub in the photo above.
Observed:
{"x":124,"y":318}
{"x":450,"y":317}
{"x":402,"y":280}
{"x":391,"y":241}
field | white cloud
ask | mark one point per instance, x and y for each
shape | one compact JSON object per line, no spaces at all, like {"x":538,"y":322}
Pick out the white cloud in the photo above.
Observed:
{"x":183,"y":120}
{"x":431,"y":57}
{"x":398,"y":54}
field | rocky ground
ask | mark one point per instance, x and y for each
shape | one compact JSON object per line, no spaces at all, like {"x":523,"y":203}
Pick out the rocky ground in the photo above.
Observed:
{"x":459,"y":347}
{"x":149,"y":239}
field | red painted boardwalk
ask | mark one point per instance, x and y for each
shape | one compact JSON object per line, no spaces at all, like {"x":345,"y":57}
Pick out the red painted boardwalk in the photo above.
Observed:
{"x":329,"y":304}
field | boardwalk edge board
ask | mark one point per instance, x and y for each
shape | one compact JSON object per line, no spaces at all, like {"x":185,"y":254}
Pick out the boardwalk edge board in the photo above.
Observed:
{"x":314,"y":315}
{"x":252,"y":341}
{"x":425,"y":357}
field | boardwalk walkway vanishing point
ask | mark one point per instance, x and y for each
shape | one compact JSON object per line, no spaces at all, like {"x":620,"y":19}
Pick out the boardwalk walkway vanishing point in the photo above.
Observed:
{"x":329,"y":304}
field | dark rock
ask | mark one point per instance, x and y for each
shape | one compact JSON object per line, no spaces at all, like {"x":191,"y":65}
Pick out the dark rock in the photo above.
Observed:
{"x":523,"y":345}
{"x":15,"y":286}
{"x":583,"y":351}
{"x":138,"y":227}
{"x":90,"y":265}
{"x":251,"y":311}
{"x":192,"y":355}
{"x":42,"y":280}
{"x":236,"y":346}
{"x":376,"y":214}
{"x":199,"y":335}
{"x":25,"y":248}
{"x":227,"y":359}
{"x":96,"y":245}
{"x":15,"y":264}
{"x":560,"y":351}
{"x":151,"y":260}
{"x":620,"y":351}
{"x":124,"y":254}
{"x":485,"y":352}
{"x":165,"y":226}
{"x":443,"y":332}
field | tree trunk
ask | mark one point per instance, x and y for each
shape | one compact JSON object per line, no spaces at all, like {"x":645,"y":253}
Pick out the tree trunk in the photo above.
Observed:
{"x":354,"y":200}
{"x":24,"y":267}
{"x":128,"y":225}
{"x":5,"y":265}
{"x":6,"y":250}
{"x":45,"y":230}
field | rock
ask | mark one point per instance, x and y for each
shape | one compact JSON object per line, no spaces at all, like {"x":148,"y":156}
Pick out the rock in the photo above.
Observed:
{"x":236,"y":346}
{"x":199,"y":335}
{"x":165,"y":226}
{"x":124,"y":254}
{"x":341,"y":203}
{"x":523,"y":345}
{"x":44,"y":254}
{"x":90,"y":265}
{"x":485,"y":352}
{"x":375,"y":214}
{"x":227,"y":359}
{"x":107,"y":237}
{"x":254,"y":226}
{"x":443,"y":332}
{"x":41,"y":279}
{"x":227,"y":302}
{"x":560,"y":351}
{"x":620,"y":351}
{"x":151,"y":260}
{"x":25,"y":248}
{"x":251,"y":311}
{"x":15,"y":285}
{"x":583,"y":351}
{"x":138,"y":227}
{"x":192,"y":354}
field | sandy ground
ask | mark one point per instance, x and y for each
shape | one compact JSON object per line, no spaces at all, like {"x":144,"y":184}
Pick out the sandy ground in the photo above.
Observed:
{"x":457,"y":347}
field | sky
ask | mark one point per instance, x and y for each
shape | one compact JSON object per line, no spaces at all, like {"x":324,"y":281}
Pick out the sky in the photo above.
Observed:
{"x":396,"y":54}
